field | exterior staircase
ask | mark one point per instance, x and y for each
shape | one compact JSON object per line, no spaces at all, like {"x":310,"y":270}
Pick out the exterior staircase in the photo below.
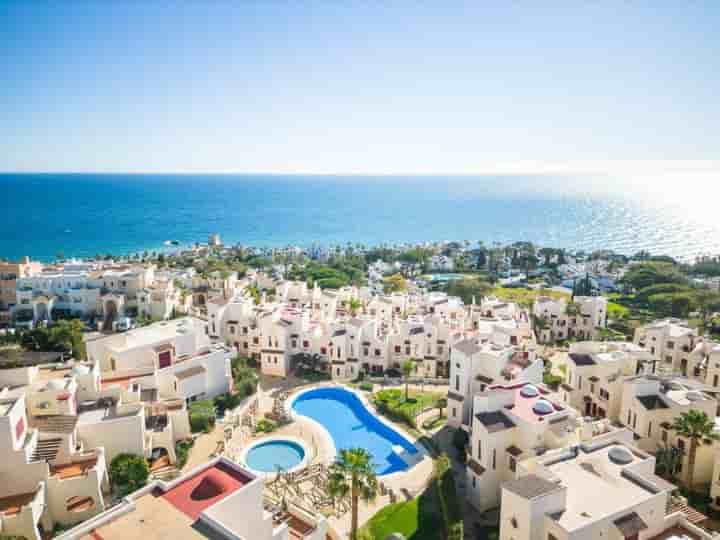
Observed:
{"x":46,"y":450}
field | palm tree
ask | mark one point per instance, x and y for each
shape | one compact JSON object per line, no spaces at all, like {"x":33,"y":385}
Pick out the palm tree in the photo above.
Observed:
{"x":353,"y":473}
{"x":572,"y":309}
{"x":697,"y":427}
{"x":407,"y":369}
{"x":354,"y":305}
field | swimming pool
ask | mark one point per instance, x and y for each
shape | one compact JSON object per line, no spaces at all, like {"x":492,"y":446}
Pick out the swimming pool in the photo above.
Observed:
{"x":271,"y":455}
{"x":350,"y":424}
{"x":442,"y":278}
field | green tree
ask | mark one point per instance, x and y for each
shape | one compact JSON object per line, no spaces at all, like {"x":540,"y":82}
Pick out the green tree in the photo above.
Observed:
{"x":394,"y":283}
{"x":697,"y":427}
{"x":667,"y":460}
{"x":467,"y":289}
{"x":708,"y":302}
{"x":572,"y":309}
{"x":354,"y":305}
{"x":407,"y":368}
{"x":441,"y":404}
{"x":129,"y":472}
{"x":353,"y":474}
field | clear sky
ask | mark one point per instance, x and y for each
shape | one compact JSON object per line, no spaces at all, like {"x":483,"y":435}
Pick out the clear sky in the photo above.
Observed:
{"x":355,"y":86}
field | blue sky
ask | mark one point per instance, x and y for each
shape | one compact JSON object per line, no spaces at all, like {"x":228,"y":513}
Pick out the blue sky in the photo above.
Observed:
{"x":354,"y":86}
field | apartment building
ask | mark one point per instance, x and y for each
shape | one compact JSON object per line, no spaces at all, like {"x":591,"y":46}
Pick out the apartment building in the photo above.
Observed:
{"x":510,"y":423}
{"x":9,"y":274}
{"x":650,"y":404}
{"x":670,"y":341}
{"x":602,"y":488}
{"x":595,"y":374}
{"x":173,"y":359}
{"x":48,"y":476}
{"x":561,"y":320}
{"x":498,"y":351}
{"x":216,"y":500}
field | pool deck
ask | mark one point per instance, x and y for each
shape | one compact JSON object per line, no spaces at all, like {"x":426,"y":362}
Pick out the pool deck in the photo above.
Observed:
{"x":412,"y":481}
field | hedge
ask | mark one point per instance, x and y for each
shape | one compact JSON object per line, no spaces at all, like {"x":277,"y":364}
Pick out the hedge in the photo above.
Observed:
{"x":202,"y":416}
{"x":449,"y":504}
{"x":182,"y":451}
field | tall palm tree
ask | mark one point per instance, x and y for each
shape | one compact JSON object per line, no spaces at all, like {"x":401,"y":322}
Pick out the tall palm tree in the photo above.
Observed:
{"x":697,"y":427}
{"x":353,"y":474}
{"x":407,"y":369}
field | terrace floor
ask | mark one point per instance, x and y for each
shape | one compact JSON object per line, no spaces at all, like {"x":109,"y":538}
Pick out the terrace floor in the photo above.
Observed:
{"x":12,"y":505}
{"x":71,"y":470}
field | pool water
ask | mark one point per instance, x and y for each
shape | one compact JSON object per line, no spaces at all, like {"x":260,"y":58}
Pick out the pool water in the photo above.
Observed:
{"x":271,"y":455}
{"x":351,"y":425}
{"x":445,"y":277}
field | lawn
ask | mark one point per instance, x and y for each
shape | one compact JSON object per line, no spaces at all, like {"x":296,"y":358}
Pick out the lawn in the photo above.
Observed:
{"x":417,"y":402}
{"x":617,"y":311}
{"x":525,"y":297}
{"x":417,"y":519}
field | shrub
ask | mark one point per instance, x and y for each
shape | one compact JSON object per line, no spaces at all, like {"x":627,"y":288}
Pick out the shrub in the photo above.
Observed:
{"x":202,"y":416}
{"x":366,"y":386}
{"x":226,"y":401}
{"x":265,"y":426}
{"x":447,"y":494}
{"x":182,"y":451}
{"x":129,"y":472}
{"x":551,"y":380}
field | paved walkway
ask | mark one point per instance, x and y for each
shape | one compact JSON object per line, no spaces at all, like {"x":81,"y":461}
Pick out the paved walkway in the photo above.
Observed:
{"x":205,"y":445}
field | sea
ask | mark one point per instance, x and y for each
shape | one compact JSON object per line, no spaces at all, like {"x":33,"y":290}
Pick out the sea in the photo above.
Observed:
{"x":81,"y":215}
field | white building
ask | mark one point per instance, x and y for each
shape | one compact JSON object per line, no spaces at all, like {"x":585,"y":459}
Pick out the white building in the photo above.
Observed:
{"x":218,"y":499}
{"x":562,"y":320}
{"x":602,"y":488}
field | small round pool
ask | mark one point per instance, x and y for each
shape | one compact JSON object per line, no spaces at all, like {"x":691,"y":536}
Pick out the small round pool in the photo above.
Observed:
{"x":271,"y":455}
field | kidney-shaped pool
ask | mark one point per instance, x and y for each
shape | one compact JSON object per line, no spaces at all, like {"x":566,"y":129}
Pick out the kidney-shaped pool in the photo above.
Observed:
{"x":350,"y":425}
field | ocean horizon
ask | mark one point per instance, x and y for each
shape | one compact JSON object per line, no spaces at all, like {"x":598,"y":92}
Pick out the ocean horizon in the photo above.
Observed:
{"x":83,"y":214}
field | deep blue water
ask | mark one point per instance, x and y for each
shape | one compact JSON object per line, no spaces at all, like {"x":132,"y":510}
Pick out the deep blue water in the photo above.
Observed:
{"x":351,"y":425}
{"x":81,"y":215}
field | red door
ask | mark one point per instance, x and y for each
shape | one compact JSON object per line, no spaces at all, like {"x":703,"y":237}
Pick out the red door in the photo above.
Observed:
{"x":164,"y":359}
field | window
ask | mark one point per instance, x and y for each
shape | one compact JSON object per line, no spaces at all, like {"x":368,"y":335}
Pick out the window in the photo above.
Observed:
{"x":479,"y":450}
{"x":664,"y":435}
{"x":377,"y":352}
{"x":397,"y":349}
{"x":649,"y":429}
{"x":512,"y":463}
{"x":551,"y":537}
{"x":457,"y":382}
{"x":454,"y":412}
{"x":715,"y":380}
{"x":493,"y":459}
{"x":474,"y":482}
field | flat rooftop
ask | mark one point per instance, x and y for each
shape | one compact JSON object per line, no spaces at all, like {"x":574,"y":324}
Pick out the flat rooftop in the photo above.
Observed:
{"x":153,"y":334}
{"x":173,"y":515}
{"x":97,"y":414}
{"x":611,"y":492}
